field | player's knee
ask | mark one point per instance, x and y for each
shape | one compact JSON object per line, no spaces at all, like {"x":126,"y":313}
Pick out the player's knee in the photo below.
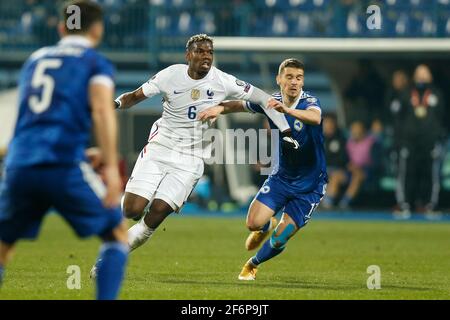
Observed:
{"x":160,"y":207}
{"x":253,"y":224}
{"x":131,"y":209}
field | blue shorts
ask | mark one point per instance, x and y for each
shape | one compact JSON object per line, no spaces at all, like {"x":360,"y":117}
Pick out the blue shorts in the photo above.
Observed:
{"x":27,"y":194}
{"x":277,"y":194}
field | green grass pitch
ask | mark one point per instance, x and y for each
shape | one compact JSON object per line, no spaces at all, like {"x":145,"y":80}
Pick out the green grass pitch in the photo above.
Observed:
{"x":193,"y":257}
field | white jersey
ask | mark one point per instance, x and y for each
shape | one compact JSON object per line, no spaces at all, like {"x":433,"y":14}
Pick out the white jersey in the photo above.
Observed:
{"x":183,"y":98}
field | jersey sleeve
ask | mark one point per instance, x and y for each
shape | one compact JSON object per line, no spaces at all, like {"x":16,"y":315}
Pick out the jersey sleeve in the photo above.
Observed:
{"x":253,"y":107}
{"x":156,"y":84}
{"x":313,"y":103}
{"x":103,"y":72}
{"x":235,"y":88}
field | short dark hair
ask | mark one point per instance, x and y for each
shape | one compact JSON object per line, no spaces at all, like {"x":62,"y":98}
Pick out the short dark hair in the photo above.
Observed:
{"x":291,"y":63}
{"x":90,"y":13}
{"x":198,"y":38}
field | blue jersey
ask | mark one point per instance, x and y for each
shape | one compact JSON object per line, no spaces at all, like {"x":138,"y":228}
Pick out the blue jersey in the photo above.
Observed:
{"x":54,"y":120}
{"x":308,"y":169}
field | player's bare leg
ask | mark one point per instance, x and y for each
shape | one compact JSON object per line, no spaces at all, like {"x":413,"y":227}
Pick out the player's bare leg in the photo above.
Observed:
{"x":6,"y":251}
{"x":261,"y":222}
{"x":336,"y":179}
{"x":356,"y":181}
{"x":133,"y":205}
{"x":144,"y":229}
{"x":271,"y":248}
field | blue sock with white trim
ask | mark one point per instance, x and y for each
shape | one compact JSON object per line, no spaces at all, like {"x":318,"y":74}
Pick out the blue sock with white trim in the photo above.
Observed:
{"x":111,"y":268}
{"x":266,"y":252}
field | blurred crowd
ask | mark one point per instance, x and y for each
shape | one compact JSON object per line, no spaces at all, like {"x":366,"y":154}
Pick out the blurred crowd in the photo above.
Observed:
{"x":142,"y":24}
{"x":401,"y":132}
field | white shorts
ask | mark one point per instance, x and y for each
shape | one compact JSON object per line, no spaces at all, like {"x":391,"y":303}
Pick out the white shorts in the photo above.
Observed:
{"x":161,"y":173}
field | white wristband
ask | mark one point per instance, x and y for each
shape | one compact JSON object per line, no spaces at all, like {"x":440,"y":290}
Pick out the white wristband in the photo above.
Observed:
{"x":119,"y":102}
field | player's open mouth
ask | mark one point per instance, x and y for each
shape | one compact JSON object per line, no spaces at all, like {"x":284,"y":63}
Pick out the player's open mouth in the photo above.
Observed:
{"x":206,"y":63}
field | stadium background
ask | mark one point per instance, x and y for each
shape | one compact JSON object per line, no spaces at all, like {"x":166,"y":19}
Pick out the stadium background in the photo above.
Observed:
{"x":144,"y":36}
{"x":198,"y":255}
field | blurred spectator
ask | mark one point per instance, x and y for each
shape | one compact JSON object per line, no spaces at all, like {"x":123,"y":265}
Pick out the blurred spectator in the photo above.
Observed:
{"x":363,"y":95}
{"x":394,"y":98}
{"x":336,"y":157}
{"x":360,"y":147}
{"x":420,"y":139}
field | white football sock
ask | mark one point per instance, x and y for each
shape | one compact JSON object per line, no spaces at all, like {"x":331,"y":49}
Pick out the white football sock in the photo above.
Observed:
{"x":139,"y":234}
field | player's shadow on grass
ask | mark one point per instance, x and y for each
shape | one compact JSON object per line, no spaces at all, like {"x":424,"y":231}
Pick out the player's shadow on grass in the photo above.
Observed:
{"x":291,"y":285}
{"x":261,"y":284}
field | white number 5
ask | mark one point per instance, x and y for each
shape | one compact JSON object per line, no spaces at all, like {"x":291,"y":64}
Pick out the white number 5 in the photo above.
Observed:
{"x":47,"y":82}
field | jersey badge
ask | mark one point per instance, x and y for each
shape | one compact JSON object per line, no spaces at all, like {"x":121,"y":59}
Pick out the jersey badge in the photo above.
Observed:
{"x":195,"y":94}
{"x":298,"y":125}
{"x":265,"y":189}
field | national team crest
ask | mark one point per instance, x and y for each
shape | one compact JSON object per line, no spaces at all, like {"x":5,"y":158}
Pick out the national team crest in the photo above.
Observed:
{"x":265,"y":189}
{"x":195,"y":94}
{"x":298,"y":125}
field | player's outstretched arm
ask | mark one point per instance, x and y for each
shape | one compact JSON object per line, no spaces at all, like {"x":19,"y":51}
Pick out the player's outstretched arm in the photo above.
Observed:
{"x":261,"y":98}
{"x":310,"y":116}
{"x":224,"y":107}
{"x":105,"y":124}
{"x":129,"y":99}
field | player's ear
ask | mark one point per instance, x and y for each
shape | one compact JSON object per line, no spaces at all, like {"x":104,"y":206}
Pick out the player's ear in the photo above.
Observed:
{"x":188,"y":55}
{"x":278,"y":79}
{"x":96,"y":31}
{"x":62,"y":29}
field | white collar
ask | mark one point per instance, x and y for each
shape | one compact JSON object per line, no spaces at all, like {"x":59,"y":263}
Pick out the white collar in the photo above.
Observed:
{"x":300,"y":96}
{"x":75,"y":40}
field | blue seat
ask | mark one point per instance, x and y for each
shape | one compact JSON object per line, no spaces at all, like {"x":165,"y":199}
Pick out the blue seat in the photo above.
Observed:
{"x":301,"y":24}
{"x":179,"y":4}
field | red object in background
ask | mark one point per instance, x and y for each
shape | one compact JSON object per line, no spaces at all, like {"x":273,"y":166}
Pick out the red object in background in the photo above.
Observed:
{"x":123,"y":172}
{"x":95,"y":157}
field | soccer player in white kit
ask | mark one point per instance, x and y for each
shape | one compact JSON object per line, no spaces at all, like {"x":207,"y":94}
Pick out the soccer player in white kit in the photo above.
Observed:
{"x":169,"y":166}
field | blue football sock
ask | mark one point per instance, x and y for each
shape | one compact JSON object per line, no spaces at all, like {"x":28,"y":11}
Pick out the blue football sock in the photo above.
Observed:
{"x":2,"y":272}
{"x":111,"y":268}
{"x":265,"y":253}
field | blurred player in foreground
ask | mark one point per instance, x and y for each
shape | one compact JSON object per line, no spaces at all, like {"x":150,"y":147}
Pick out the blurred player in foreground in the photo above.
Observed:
{"x":170,"y":165}
{"x":62,"y":89}
{"x":298,"y":182}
